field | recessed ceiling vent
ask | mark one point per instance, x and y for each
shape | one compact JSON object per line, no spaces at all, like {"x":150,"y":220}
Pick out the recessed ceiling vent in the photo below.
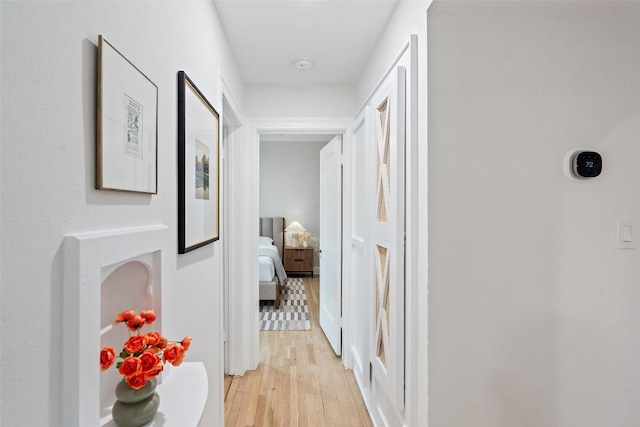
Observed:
{"x":302,"y":63}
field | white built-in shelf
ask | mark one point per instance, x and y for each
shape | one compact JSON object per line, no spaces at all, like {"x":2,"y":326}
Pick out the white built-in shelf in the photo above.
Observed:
{"x":183,"y":395}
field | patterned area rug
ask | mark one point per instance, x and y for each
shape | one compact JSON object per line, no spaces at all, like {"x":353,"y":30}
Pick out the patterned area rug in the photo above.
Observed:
{"x":293,"y":314}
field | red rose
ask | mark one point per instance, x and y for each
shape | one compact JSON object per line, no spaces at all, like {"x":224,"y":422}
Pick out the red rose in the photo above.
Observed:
{"x":174,"y":354}
{"x":131,"y":366}
{"x":152,"y":338}
{"x":136,"y":323}
{"x":162,"y":341}
{"x":186,"y":343}
{"x":149,"y":361}
{"x":149,"y":316}
{"x":125,"y":315}
{"x":136,"y":382}
{"x":135,"y":344}
{"x":156,"y":370}
{"x":179,"y":360}
{"x":107,"y":356}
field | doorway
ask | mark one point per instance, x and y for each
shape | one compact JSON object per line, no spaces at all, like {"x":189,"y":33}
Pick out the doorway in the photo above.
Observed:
{"x":244,"y":293}
{"x":293,"y":167}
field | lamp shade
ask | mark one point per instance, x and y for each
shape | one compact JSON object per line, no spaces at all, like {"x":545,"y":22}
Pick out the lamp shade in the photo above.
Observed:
{"x":295,"y":226}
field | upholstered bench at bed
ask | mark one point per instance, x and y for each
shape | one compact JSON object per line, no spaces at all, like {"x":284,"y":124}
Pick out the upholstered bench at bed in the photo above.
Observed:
{"x":270,"y":291}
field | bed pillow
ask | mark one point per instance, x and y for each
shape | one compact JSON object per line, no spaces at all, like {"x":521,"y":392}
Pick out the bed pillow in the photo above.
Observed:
{"x":265,"y":241}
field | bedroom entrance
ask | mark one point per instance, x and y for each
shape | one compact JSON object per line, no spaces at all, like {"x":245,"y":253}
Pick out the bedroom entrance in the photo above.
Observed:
{"x":289,"y":186}
{"x":300,"y":180}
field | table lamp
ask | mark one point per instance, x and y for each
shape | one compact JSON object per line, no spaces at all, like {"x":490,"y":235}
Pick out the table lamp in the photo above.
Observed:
{"x":294,"y":227}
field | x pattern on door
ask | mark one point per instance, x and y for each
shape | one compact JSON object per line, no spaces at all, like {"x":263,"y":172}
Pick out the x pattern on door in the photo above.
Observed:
{"x":382,"y":253}
{"x":382,"y":302}
{"x":387,"y":249}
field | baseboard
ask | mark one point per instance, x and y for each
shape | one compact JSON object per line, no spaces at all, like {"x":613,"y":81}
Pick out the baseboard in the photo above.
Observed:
{"x":366,"y":396}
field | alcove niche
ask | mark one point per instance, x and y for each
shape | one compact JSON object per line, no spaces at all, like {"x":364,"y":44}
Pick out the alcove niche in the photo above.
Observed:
{"x":129,"y":287}
{"x":105,"y":273}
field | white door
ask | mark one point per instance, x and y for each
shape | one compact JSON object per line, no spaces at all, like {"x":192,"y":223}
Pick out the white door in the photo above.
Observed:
{"x":330,"y":249}
{"x":387,"y":242}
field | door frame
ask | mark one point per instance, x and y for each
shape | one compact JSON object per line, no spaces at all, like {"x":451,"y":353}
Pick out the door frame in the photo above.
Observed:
{"x":258,"y":127}
{"x":232,"y":336}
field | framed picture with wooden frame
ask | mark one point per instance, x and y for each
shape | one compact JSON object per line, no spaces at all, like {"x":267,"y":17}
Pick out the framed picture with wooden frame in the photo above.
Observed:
{"x":198,"y":168}
{"x":127,"y":125}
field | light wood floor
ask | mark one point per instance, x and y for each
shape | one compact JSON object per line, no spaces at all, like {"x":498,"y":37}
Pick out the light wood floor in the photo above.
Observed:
{"x":299,"y":382}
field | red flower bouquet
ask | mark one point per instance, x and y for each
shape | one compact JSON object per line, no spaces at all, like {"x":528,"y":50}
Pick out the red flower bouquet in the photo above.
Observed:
{"x":143,"y":355}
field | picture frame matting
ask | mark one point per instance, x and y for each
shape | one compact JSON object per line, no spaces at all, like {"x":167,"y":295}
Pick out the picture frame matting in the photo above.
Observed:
{"x":127,"y":125}
{"x":198,"y":168}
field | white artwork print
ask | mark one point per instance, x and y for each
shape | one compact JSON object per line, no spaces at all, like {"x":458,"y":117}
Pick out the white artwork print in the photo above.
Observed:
{"x":133,"y":127}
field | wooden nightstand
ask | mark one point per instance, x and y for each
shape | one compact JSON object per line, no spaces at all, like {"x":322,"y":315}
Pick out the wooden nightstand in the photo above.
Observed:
{"x":298,"y":259}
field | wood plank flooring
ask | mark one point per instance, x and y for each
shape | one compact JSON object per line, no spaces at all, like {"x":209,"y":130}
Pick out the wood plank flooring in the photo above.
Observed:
{"x":299,"y":382}
{"x":227,"y":384}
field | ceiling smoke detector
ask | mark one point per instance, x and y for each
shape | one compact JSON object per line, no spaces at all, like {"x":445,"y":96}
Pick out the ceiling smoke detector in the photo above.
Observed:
{"x":302,"y":63}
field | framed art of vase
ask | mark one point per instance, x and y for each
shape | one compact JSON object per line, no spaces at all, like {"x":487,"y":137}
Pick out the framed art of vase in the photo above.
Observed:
{"x":198,"y":168}
{"x":127,"y":125}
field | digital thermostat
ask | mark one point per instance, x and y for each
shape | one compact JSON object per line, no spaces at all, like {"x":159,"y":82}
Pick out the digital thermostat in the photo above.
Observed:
{"x":585,"y":164}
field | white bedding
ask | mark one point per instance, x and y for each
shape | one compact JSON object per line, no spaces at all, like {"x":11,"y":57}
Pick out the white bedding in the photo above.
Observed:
{"x":266,"y":266}
{"x":266,"y":269}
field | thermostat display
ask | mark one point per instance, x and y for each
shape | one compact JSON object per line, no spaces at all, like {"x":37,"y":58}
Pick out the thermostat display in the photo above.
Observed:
{"x":586,"y":164}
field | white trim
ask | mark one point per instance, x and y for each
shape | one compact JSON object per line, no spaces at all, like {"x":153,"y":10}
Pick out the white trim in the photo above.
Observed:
{"x":421,"y":319}
{"x":383,"y":77}
{"x":358,"y":243}
{"x":368,"y":401}
{"x":227,"y":274}
{"x":414,"y":330}
{"x":88,"y":259}
{"x":347,"y":286}
{"x":304,"y":126}
{"x":235,"y":118}
{"x":231,"y":115}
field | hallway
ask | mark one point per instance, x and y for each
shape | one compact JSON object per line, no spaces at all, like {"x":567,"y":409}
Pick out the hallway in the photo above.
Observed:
{"x":299,"y":382}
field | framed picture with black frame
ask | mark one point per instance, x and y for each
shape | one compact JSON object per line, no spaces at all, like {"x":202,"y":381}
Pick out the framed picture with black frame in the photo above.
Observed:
{"x":198,"y":168}
{"x":127,"y":125}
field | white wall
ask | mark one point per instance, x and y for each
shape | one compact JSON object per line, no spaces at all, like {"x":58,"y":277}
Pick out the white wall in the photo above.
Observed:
{"x":533,"y":311}
{"x":290,"y":183}
{"x":408,"y":18}
{"x":275,"y":101}
{"x":48,"y":135}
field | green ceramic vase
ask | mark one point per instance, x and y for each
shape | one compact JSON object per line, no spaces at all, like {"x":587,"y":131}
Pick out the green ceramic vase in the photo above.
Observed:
{"x":135,"y":408}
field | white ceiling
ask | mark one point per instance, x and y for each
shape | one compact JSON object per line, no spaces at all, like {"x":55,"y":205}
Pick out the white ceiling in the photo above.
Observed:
{"x":337,"y":35}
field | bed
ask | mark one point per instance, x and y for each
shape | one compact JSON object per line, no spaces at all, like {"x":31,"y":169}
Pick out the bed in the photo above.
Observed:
{"x":271,"y":274}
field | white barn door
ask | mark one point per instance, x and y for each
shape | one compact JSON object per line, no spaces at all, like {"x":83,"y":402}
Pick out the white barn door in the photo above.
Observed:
{"x":388,"y":246}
